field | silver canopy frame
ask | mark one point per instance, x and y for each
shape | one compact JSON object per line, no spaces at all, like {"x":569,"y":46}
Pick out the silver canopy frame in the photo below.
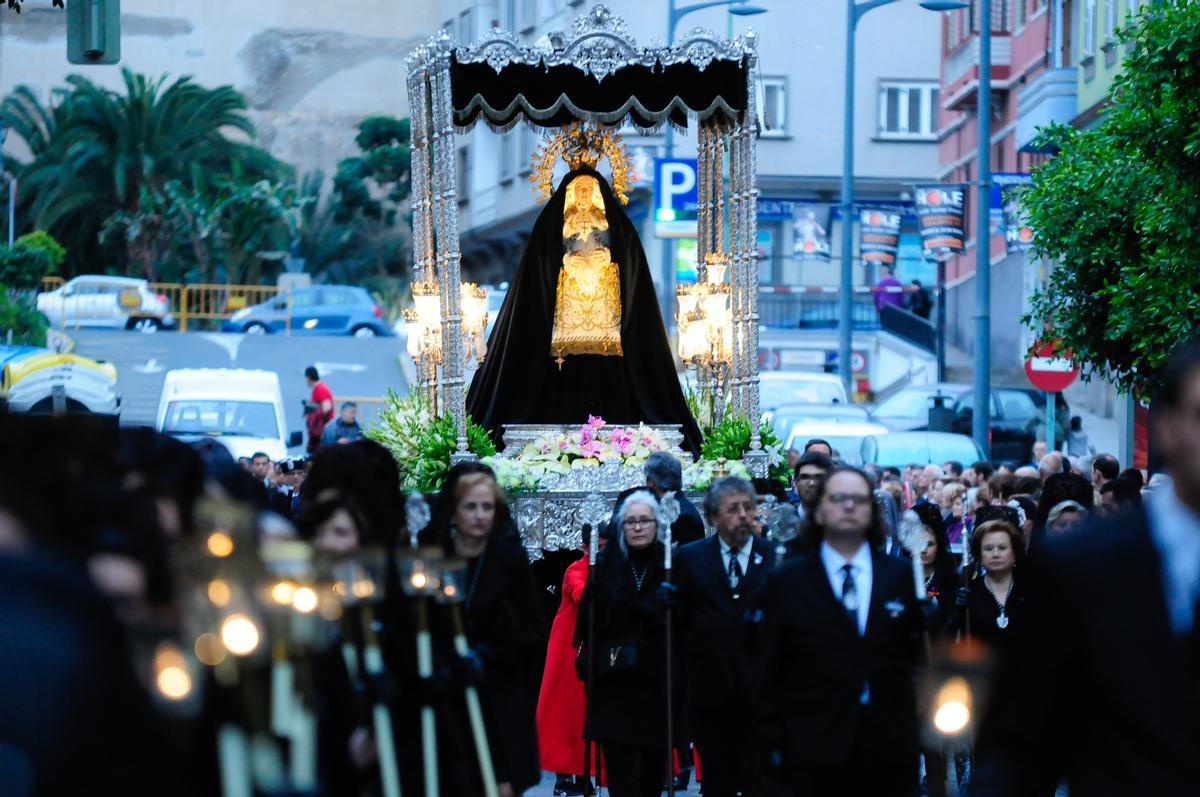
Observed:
{"x":599,"y":46}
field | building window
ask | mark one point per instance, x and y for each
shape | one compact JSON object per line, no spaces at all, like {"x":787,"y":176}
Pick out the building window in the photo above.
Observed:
{"x":508,"y":154}
{"x":464,"y":174}
{"x":774,"y":107}
{"x":466,"y":28}
{"x":1110,"y":20}
{"x":508,"y":14}
{"x":907,"y":109}
{"x":1089,"y":28}
{"x":448,"y":26}
{"x":1134,"y":7}
{"x":528,"y":141}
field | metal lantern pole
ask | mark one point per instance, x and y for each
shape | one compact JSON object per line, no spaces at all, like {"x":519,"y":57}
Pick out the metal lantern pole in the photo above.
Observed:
{"x":983,"y":239}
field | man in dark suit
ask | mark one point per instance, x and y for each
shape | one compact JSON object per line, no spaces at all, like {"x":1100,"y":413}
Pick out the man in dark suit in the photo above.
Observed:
{"x":718,"y":580}
{"x":1104,"y":689}
{"x":836,"y":705}
{"x":664,"y":475}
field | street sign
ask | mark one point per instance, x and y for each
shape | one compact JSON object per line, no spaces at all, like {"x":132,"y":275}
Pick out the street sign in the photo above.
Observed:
{"x":675,"y":197}
{"x":1050,"y":368}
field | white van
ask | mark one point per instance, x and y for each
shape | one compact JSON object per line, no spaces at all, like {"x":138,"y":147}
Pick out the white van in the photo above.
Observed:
{"x":242,"y":409}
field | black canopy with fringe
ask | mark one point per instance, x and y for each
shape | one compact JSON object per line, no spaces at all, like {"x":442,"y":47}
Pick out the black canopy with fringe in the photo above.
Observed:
{"x":552,"y":96}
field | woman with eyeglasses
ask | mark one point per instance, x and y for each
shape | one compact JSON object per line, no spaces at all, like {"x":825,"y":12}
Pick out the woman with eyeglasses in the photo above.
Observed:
{"x":628,"y":710}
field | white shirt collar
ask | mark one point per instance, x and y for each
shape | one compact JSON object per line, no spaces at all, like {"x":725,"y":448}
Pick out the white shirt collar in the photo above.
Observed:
{"x":744,"y":550}
{"x":1175,"y":530}
{"x":834,"y":561}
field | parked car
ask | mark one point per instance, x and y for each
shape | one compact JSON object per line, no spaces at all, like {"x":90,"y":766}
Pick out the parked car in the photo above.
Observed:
{"x":789,"y":415}
{"x":921,"y":448}
{"x":777,"y":388}
{"x":242,"y":409}
{"x":1012,"y":410}
{"x":908,"y":409}
{"x":315,"y":310}
{"x":98,"y":300}
{"x":845,"y":438}
{"x":30,"y":378}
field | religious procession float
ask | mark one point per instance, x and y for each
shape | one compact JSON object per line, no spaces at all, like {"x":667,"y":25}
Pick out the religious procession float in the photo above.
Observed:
{"x":578,"y":384}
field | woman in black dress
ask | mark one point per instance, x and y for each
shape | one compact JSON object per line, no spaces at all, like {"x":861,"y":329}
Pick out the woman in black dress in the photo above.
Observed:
{"x":937,"y":563}
{"x":992,"y":608}
{"x":628,"y":703}
{"x":504,"y":622}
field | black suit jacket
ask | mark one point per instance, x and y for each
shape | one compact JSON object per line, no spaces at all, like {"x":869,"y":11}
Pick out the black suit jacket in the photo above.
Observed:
{"x":718,"y":669}
{"x":1097,"y":690}
{"x":815,"y":664}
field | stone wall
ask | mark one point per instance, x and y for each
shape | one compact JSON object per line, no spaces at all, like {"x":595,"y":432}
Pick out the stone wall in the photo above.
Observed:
{"x":310,"y":71}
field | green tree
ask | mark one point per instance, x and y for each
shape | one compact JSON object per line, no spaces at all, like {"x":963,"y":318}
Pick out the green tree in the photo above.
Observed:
{"x":100,"y":153}
{"x":1119,"y":209}
{"x":31,"y":257}
{"x":376,"y":183}
{"x":22,"y":266}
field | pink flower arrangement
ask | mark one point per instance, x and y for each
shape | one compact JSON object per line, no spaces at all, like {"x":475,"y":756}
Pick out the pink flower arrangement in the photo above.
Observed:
{"x":594,"y":443}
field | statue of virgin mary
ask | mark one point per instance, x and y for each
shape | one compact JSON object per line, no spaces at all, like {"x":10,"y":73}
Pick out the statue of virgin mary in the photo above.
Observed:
{"x":580,"y":332}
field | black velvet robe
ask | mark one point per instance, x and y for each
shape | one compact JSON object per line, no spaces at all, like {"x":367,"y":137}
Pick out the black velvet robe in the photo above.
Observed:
{"x":519,"y":381}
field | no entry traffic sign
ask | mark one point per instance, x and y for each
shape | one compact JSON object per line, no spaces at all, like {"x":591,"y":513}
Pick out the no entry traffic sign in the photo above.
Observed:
{"x":1050,"y":368}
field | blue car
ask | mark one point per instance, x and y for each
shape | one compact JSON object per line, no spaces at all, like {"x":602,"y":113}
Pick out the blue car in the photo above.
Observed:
{"x":315,"y":310}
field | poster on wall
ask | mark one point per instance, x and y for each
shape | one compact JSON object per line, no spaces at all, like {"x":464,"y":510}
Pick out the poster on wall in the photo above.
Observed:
{"x":940,"y":219}
{"x":810,"y":231}
{"x":1018,"y":235}
{"x":879,"y":235}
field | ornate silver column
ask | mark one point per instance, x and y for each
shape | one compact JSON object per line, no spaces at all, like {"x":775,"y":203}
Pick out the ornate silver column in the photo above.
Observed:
{"x":448,"y":257}
{"x":750,"y":166}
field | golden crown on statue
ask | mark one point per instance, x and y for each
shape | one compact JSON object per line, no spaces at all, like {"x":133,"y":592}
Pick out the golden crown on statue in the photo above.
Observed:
{"x":581,"y":144}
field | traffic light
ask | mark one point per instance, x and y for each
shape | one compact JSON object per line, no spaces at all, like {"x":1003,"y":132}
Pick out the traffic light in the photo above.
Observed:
{"x":94,"y":31}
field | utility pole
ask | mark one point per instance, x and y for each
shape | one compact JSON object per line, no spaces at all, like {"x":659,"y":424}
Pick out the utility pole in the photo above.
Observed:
{"x":981,"y":418}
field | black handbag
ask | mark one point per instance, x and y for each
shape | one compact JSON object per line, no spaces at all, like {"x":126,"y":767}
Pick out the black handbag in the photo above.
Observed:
{"x":617,"y":656}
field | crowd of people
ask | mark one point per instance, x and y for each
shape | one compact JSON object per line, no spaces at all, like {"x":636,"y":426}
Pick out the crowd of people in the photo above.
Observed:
{"x":722,"y":650}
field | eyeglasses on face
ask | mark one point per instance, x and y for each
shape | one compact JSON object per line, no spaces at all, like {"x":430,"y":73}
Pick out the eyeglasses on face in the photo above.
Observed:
{"x":639,"y":522}
{"x":856,"y":499}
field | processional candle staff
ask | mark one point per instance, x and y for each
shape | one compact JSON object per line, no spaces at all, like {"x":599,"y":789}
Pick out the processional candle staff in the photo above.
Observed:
{"x":358,"y":583}
{"x":912,"y":537}
{"x":419,"y":578}
{"x":452,"y":594}
{"x":783,"y":526}
{"x":589,"y":652}
{"x":292,"y":599}
{"x":668,"y":508}
{"x":593,"y":512}
{"x":222,"y":575}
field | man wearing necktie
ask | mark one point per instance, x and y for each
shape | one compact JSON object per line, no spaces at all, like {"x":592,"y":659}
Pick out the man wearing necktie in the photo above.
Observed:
{"x":718,"y":582}
{"x":837,"y":710}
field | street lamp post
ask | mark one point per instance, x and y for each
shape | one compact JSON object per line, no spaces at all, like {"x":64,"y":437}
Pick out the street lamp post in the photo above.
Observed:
{"x":855,"y":12}
{"x":983,"y":239}
{"x":740,"y":8}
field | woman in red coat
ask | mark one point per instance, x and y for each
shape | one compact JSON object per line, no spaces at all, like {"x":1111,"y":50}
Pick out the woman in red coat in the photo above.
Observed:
{"x":561,"y":706}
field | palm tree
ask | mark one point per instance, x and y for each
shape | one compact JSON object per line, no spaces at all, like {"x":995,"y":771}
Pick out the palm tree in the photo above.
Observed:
{"x":98,"y":153}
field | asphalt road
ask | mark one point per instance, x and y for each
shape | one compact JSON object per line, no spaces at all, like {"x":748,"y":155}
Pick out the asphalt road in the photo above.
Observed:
{"x":362,"y":367}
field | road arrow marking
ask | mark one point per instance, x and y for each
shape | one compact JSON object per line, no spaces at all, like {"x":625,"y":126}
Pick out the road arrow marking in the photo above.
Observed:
{"x":151,"y":367}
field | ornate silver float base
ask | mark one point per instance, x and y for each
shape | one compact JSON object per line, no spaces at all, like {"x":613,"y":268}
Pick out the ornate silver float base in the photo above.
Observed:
{"x":552,"y":519}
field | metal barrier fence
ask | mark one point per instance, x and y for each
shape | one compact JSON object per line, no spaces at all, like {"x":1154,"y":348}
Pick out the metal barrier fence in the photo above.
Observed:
{"x":217,"y":302}
{"x":101,"y":302}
